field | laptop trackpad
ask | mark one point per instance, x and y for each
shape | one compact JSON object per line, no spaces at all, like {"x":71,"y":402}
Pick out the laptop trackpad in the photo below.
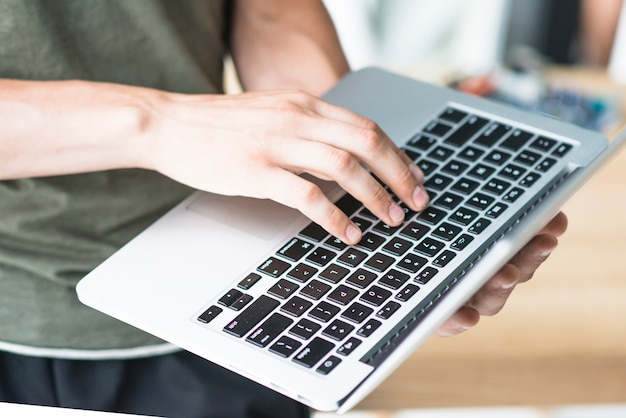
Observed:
{"x":265,"y":219}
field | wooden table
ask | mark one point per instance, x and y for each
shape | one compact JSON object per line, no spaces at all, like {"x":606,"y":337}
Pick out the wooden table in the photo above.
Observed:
{"x":561,"y":338}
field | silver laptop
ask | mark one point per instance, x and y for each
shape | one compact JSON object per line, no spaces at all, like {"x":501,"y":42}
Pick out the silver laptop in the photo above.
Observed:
{"x":257,"y":288}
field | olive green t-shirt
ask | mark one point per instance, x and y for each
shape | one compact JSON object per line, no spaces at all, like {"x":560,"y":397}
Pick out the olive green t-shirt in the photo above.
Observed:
{"x":54,"y":230}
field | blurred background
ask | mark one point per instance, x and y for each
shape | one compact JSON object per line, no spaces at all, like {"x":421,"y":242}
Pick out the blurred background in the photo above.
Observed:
{"x":558,"y":349}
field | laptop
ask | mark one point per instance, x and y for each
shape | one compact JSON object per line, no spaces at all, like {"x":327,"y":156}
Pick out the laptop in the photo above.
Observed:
{"x":261,"y":290}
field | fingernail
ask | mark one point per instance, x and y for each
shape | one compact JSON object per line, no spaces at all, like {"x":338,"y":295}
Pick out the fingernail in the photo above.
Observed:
{"x":353,"y":233}
{"x":546,"y":253}
{"x":417,"y":172}
{"x":396,"y":213}
{"x":420,"y":197}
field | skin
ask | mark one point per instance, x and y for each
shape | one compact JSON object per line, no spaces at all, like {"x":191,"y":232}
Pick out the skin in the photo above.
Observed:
{"x":254,"y":144}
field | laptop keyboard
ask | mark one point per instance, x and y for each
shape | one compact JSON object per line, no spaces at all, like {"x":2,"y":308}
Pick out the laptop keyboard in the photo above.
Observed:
{"x":324,"y":298}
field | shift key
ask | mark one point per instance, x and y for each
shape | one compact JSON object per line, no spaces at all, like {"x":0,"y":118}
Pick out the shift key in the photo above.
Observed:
{"x":251,"y":316}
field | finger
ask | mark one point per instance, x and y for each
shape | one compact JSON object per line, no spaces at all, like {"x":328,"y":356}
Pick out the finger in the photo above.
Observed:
{"x":529,"y":258}
{"x":327,"y":162}
{"x":490,"y":299}
{"x":557,"y":225}
{"x":461,"y":321}
{"x":309,"y":199}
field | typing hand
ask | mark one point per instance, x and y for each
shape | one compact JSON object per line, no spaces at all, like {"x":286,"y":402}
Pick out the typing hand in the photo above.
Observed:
{"x":492,"y":297}
{"x":257,"y":144}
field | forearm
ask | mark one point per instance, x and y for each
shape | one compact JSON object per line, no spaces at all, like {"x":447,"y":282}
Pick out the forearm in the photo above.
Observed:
{"x":65,"y":127}
{"x":286,"y":44}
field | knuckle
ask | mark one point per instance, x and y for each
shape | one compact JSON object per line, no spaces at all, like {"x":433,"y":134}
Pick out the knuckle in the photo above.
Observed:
{"x":309,"y":193}
{"x":371,"y":139}
{"x":341,"y":159}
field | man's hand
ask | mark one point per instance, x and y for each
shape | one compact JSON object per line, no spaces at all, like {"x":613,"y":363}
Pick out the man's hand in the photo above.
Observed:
{"x":492,"y":297}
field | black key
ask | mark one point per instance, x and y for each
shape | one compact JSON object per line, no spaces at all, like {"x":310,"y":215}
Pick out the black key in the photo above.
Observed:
{"x":441,"y":153}
{"x":295,"y":249}
{"x":512,"y":195}
{"x":310,"y":355}
{"x":446,"y":231}
{"x":321,"y":256}
{"x":481,"y":171}
{"x":480,"y":201}
{"x":335,"y":243}
{"x":528,"y":158}
{"x":512,"y":171}
{"x":328,"y":365}
{"x":407,"y":292}
{"x":365,"y":212}
{"x":471,"y":153}
{"x":463,"y":216}
{"x":493,"y":134}
{"x":393,"y":279}
{"x":324,"y":311}
{"x":357,"y":312}
{"x":425,"y":275}
{"x":414,"y":231}
{"x":379,"y":262}
{"x":530,"y":179}
{"x":448,"y":200}
{"x":363,"y":224}
{"x":361,"y":278}
{"x":516,"y":140}
{"x":334,"y":273}
{"x":305,"y":329}
{"x":282,"y":289}
{"x":429,"y":247}
{"x":274,"y":267}
{"x":371,"y":241}
{"x":369,"y":328}
{"x":479,"y":226}
{"x":338,"y":330}
{"x":231,"y":296}
{"x":389,"y":309}
{"x":352,"y":257}
{"x":543,"y":143}
{"x":452,"y":115}
{"x":496,"y":186}
{"x":348,"y":347}
{"x":314,"y":232}
{"x":269,"y":330}
{"x":438,"y":182}
{"x":241,"y":302}
{"x":496,"y":210}
{"x":397,"y":246}
{"x":427,"y":167}
{"x":385,"y":229}
{"x":343,"y":294}
{"x":412,"y":154}
{"x":497,"y":157}
{"x":315,"y":289}
{"x":455,"y":167}
{"x":444,"y":258}
{"x":210,"y":314}
{"x":545,"y":165}
{"x":432,"y":215}
{"x":296,"y":306}
{"x":461,"y":242}
{"x":251,"y":316}
{"x":465,"y":186}
{"x":466,"y":131}
{"x":437,"y":129}
{"x":561,"y":150}
{"x":421,"y":141}
{"x":348,"y":204}
{"x":375,"y":295}
{"x":302,"y":272}
{"x":285,"y":346}
{"x":411,"y":263}
{"x":249,"y":281}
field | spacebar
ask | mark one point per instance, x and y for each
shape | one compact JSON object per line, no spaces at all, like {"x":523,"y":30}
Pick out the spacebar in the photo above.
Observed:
{"x":253,"y":314}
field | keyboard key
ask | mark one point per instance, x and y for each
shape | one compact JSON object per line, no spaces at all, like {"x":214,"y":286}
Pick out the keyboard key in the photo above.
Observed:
{"x":385,"y":229}
{"x":516,"y":140}
{"x":446,"y":231}
{"x":465,"y":186}
{"x":530,"y":179}
{"x":375,"y":295}
{"x":343,"y":294}
{"x":388,"y":310}
{"x":363,"y":224}
{"x":427,"y":167}
{"x":411,"y":263}
{"x":544,"y":144}
{"x":480,"y":201}
{"x":561,"y":150}
{"x":324,"y":311}
{"x":274,"y":267}
{"x":438,"y":182}
{"x":422,"y":142}
{"x":414,"y":231}
{"x":348,"y":347}
{"x":397,"y":246}
{"x":314,"y":232}
{"x":335,"y":243}
{"x":334,"y":273}
{"x":471,"y":153}
{"x":338,"y":330}
{"x":425,"y":275}
{"x":285,"y":346}
{"x":448,"y":200}
{"x":241,"y":302}
{"x":304,"y":329}
{"x":512,"y":171}
{"x":496,"y":186}
{"x":282,"y":289}
{"x":357,"y":312}
{"x":432,"y":215}
{"x":463,"y":216}
{"x":269,"y":330}
{"x":479,"y":226}
{"x":393,"y":279}
{"x":369,"y":328}
{"x":407,"y":292}
{"x":295,"y":249}
{"x":249,"y":281}
{"x":302,"y":272}
{"x":429,"y":247}
{"x":444,"y":258}
{"x":455,"y":167}
{"x":210,"y":314}
{"x":497,"y":157}
{"x":528,"y":158}
{"x":251,"y":316}
{"x":441,"y":153}
{"x":466,"y":131}
{"x":352,"y":257}
{"x":328,"y":365}
{"x":379,"y":262}
{"x":315,"y":289}
{"x":481,"y":171}
{"x":461,"y":242}
{"x":296,"y":306}
{"x":231,"y":296}
{"x":545,"y":165}
{"x":512,"y":195}
{"x":361,"y":278}
{"x":370,"y":241}
{"x":452,"y":115}
{"x":310,"y":355}
{"x":494,"y":133}
{"x":437,"y":129}
{"x":496,"y":210}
